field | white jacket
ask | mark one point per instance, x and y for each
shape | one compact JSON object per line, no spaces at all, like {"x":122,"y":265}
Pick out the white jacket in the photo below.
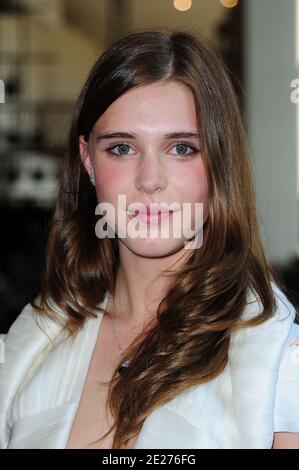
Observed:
{"x":256,"y":395}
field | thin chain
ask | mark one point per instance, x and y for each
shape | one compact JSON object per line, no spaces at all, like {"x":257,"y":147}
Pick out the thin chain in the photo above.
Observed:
{"x":115,"y":331}
{"x":122,"y":369}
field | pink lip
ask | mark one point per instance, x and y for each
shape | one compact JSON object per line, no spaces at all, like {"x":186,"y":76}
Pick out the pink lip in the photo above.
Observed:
{"x":152,"y":208}
{"x":152,"y":217}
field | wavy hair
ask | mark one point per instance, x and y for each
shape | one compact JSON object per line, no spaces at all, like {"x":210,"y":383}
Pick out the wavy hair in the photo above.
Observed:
{"x":188,"y":343}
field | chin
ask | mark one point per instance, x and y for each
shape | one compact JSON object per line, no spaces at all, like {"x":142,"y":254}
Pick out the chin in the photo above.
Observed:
{"x":153,"y":248}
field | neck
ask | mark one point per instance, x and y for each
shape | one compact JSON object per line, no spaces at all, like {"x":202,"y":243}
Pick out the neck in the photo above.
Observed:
{"x":141,"y":284}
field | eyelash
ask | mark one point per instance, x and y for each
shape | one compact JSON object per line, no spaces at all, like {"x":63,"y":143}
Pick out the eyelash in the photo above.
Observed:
{"x":184,"y":157}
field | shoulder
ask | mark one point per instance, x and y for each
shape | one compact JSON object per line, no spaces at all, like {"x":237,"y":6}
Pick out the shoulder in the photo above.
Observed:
{"x":23,"y":335}
{"x":284,"y":310}
{"x":274,"y":329}
{"x":31,"y":326}
{"x":25,"y":347}
{"x":255,"y":360}
{"x":30,"y":334}
{"x":252,"y":346}
{"x":284,"y":306}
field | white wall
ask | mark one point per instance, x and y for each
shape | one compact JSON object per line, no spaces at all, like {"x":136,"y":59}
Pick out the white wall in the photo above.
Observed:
{"x":269,"y":70}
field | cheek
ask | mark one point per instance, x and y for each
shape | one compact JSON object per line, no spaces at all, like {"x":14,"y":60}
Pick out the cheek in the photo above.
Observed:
{"x":192,"y":183}
{"x":110,"y":182}
{"x":192,"y":186}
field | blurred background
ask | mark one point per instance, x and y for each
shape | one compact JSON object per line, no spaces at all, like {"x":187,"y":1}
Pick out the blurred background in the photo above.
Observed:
{"x":46,"y":50}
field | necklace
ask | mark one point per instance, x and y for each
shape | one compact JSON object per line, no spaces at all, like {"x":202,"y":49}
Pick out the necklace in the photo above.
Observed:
{"x":125,"y":364}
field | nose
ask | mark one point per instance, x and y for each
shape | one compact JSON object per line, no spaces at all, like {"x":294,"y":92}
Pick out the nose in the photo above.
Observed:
{"x":151,"y":174}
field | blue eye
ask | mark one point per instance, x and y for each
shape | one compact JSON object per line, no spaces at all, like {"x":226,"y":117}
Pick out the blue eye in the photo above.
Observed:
{"x":121,"y":146}
{"x":124,"y":148}
{"x":182,"y":146}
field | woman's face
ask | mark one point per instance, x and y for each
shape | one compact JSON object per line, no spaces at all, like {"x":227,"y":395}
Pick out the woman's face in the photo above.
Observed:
{"x":147,"y":165}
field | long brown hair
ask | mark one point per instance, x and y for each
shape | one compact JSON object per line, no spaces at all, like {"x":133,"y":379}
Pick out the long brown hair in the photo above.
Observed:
{"x":188,"y":344}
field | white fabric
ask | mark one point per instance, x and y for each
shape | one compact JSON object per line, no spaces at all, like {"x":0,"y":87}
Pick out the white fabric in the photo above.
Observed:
{"x":256,"y":395}
{"x":286,"y":416}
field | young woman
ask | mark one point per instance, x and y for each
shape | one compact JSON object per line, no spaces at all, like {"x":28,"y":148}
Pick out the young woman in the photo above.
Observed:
{"x":154,"y":342}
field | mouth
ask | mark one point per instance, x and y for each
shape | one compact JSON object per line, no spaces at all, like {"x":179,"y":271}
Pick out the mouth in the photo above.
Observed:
{"x":151,"y":214}
{"x":151,"y":217}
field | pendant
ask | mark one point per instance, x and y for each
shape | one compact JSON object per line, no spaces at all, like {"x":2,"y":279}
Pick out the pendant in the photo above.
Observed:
{"x":123,"y":367}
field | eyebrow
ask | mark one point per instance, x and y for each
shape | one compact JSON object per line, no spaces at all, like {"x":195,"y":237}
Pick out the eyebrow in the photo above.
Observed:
{"x":132,"y":135}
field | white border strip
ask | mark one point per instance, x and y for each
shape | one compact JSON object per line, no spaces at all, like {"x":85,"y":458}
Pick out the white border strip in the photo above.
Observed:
{"x":2,"y":91}
{"x":297,"y":111}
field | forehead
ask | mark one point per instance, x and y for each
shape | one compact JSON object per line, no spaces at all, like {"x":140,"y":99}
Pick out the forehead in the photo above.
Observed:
{"x":161,"y":106}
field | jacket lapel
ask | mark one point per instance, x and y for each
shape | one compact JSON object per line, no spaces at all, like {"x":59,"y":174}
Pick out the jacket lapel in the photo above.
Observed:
{"x":50,"y":426}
